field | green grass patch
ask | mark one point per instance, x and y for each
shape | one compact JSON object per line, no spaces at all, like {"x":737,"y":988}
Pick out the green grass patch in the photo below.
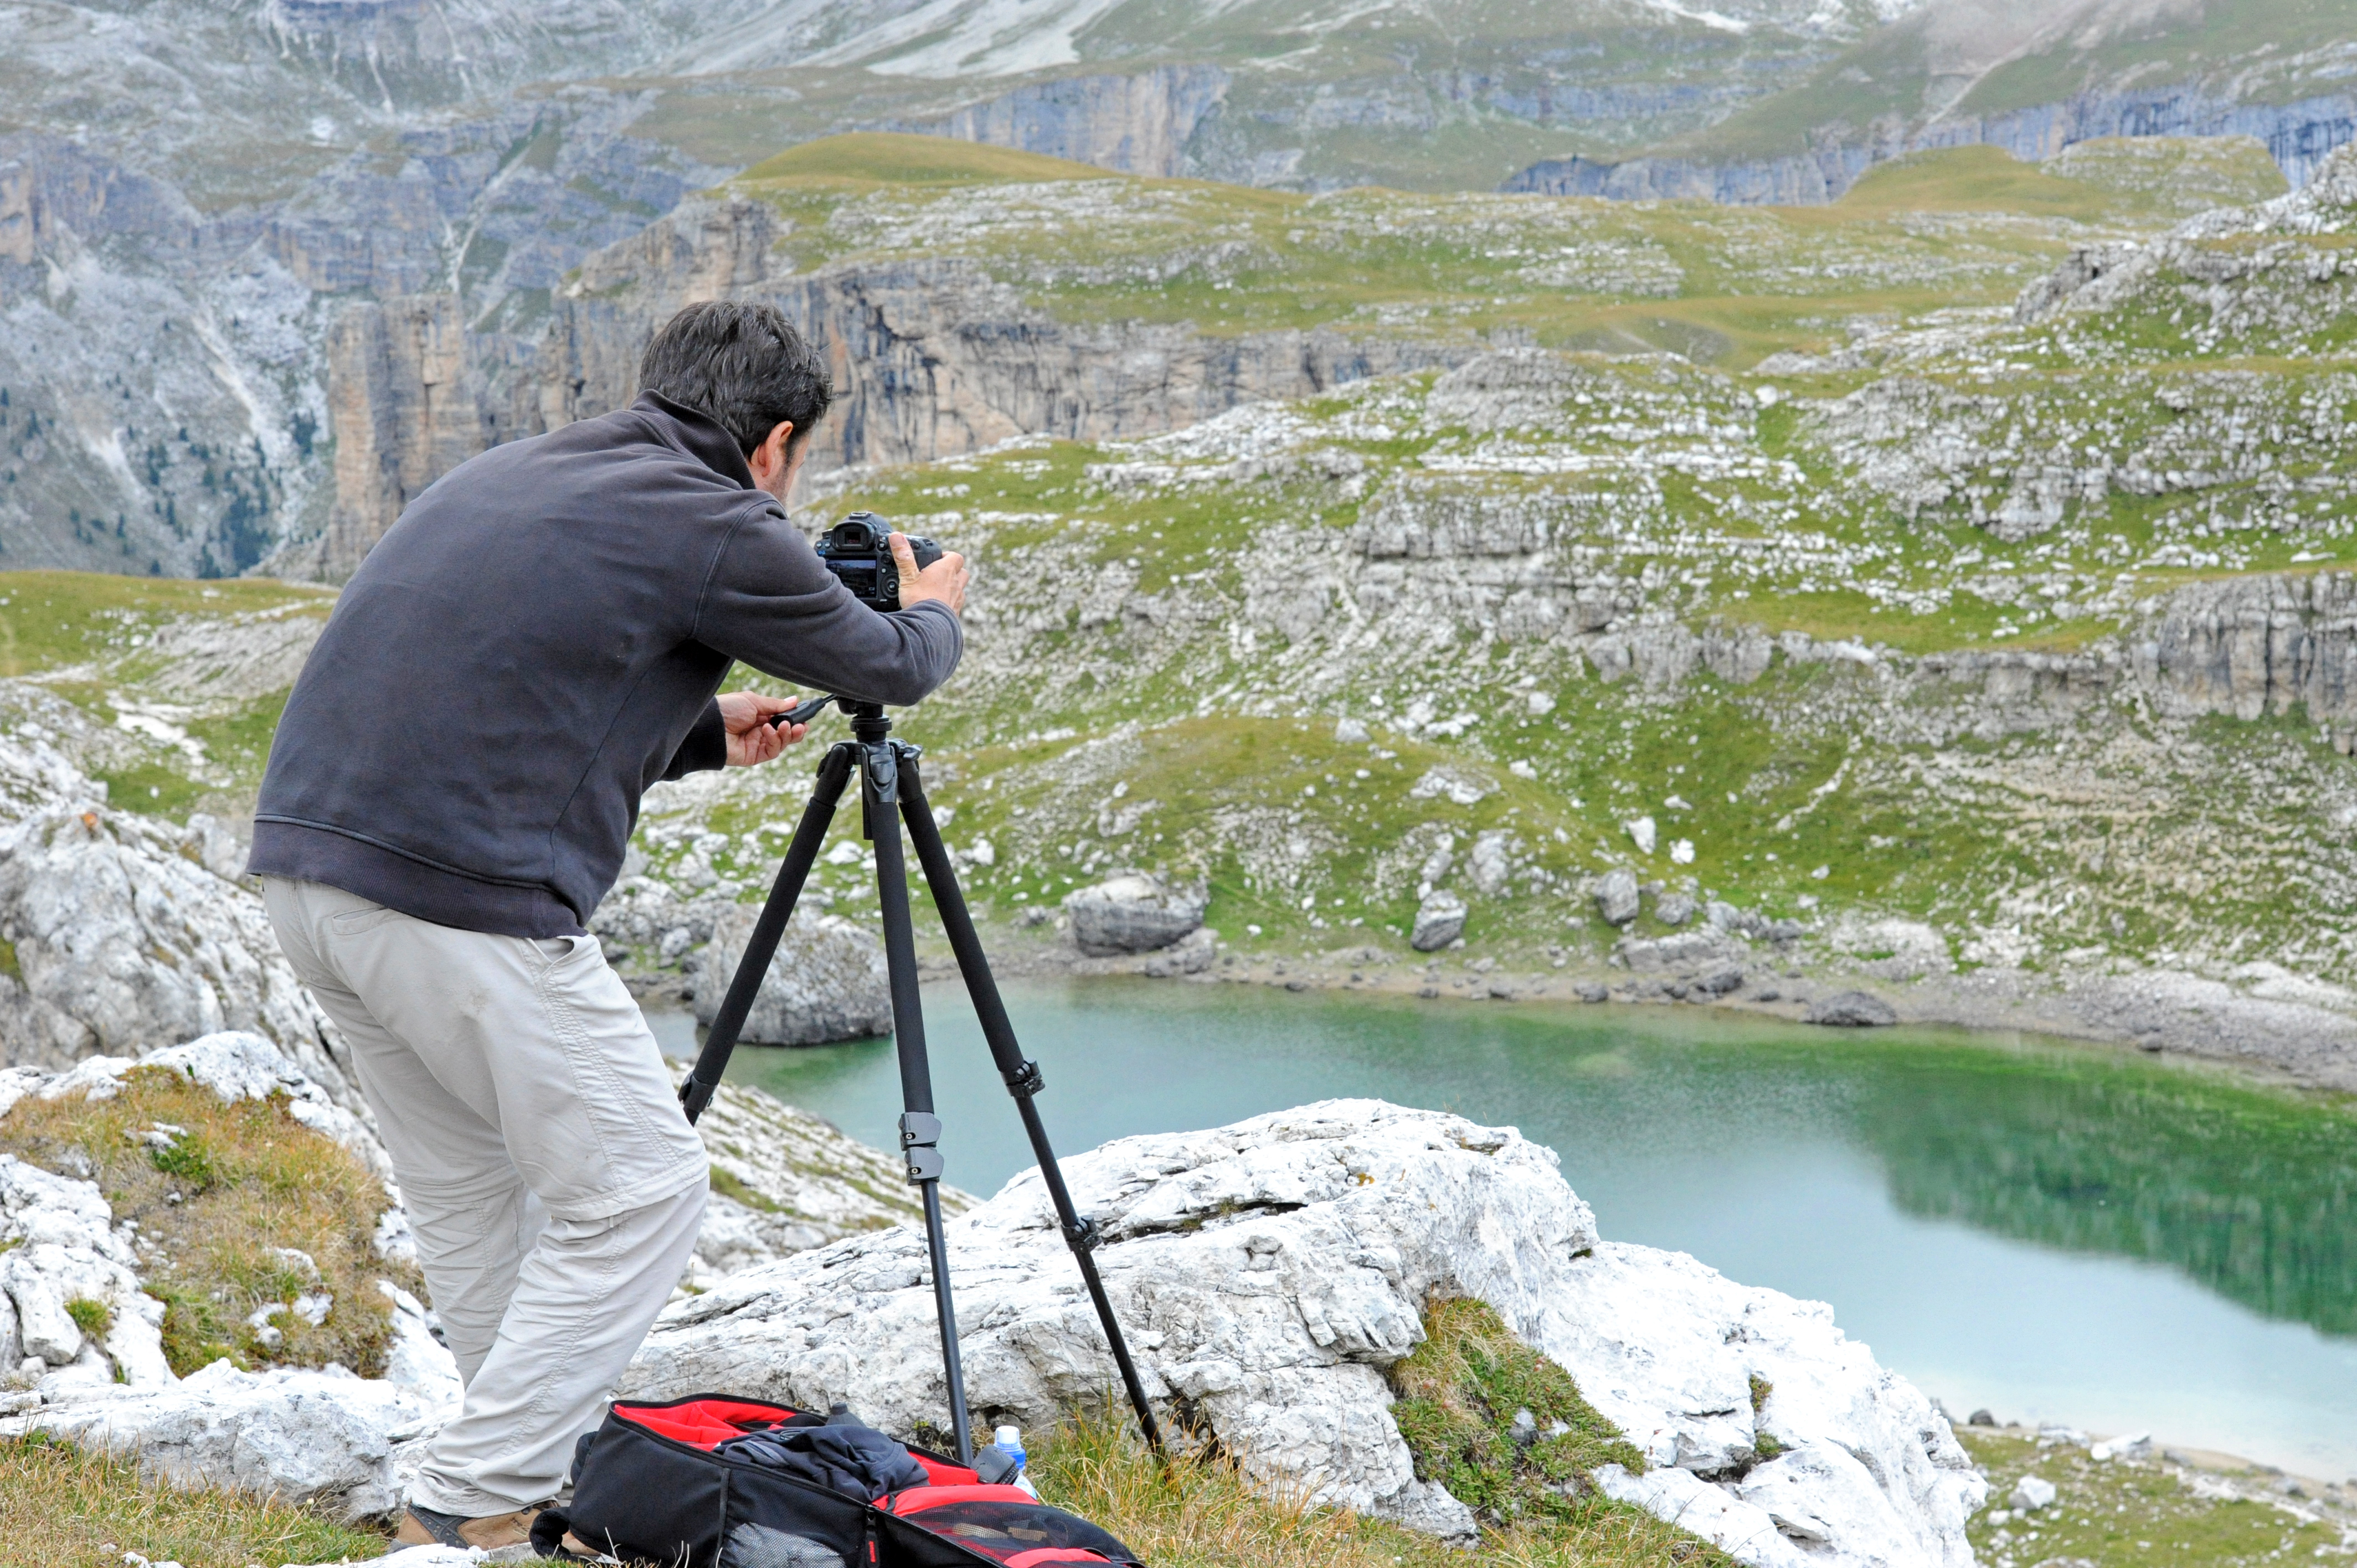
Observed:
{"x":53,"y":618}
{"x":871,"y":158}
{"x":1504,"y":1428}
{"x":64,"y":1508}
{"x":95,"y":1318}
{"x":2125,"y":1514}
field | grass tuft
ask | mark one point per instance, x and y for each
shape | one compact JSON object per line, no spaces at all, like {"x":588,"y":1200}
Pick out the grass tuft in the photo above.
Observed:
{"x":239,"y":1208}
{"x":95,"y":1318}
{"x":1499,"y":1424}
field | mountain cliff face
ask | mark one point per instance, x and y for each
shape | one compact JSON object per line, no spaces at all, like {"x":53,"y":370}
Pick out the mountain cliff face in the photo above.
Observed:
{"x":193,"y":198}
{"x":969,"y":298}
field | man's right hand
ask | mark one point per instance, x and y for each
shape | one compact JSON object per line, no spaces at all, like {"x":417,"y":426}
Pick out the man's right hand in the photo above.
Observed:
{"x":942,"y":583}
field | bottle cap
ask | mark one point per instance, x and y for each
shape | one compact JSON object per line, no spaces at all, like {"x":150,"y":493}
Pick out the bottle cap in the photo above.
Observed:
{"x":1008,"y":1437}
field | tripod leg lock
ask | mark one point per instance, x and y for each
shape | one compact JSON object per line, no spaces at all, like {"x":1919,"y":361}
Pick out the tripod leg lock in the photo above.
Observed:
{"x":1082,"y":1235}
{"x":1026,"y":1080}
{"x":919,"y":1130}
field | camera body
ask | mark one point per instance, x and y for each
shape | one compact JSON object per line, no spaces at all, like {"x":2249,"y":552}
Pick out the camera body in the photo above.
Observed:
{"x":858,"y":550}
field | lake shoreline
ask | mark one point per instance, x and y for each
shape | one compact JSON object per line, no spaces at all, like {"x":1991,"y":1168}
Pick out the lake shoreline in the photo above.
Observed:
{"x":2273,"y":1026}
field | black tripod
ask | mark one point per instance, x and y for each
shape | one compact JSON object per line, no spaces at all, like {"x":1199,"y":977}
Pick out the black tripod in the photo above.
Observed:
{"x":888,"y":779}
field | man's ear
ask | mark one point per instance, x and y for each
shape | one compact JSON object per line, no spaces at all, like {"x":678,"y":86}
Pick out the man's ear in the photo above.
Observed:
{"x":769,"y":460}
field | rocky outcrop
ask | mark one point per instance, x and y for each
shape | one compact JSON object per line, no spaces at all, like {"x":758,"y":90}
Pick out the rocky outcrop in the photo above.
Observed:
{"x":931,"y":358}
{"x":826,"y":982}
{"x":1266,"y":1275}
{"x":314,"y":1436}
{"x":340,"y":1442}
{"x":2255,"y":647}
{"x":234,"y":1065}
{"x":2287,"y":288}
{"x":2300,"y":130}
{"x":936,"y":358}
{"x":119,"y":940}
{"x":1804,"y":179}
{"x":405,"y":406}
{"x":2264,"y":645}
{"x":1135,"y":912}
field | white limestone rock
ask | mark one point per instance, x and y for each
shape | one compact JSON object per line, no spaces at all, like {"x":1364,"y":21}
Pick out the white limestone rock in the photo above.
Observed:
{"x":826,"y":982}
{"x":1268,"y":1272}
{"x":1667,"y":1348}
{"x":1132,"y":913}
{"x":1439,"y":920}
{"x":62,"y":1247}
{"x":124,"y":939}
{"x":324,"y":1437}
{"x":1616,"y":897}
{"x":417,"y":1361}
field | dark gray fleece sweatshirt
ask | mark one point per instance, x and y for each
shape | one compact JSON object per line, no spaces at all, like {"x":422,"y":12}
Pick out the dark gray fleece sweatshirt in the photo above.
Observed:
{"x":538,"y":639}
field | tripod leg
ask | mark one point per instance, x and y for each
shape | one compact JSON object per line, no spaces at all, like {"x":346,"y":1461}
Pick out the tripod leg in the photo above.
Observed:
{"x":834,"y":771}
{"x":920,"y":1127}
{"x":1022,"y":1078}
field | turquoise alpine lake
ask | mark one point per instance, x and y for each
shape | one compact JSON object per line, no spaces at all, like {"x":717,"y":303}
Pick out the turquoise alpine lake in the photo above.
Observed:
{"x":2051,"y":1232}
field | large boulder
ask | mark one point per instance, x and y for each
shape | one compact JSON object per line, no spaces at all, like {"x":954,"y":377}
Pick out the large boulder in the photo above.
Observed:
{"x":826,"y":982}
{"x":1267,"y":1273}
{"x":1851,"y":1010}
{"x":1439,"y":920}
{"x":1616,"y":897}
{"x":1132,"y":913}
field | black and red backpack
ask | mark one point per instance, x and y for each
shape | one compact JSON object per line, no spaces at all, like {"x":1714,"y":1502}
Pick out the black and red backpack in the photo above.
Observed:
{"x":649,"y":1488}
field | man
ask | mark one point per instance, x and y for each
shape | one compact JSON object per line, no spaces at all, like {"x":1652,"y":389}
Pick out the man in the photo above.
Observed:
{"x":536,"y":640}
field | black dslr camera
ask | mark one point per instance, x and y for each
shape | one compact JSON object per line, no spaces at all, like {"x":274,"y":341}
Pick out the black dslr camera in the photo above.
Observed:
{"x":859,"y":551}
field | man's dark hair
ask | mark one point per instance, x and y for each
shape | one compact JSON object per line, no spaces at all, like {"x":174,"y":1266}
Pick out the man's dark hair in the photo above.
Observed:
{"x":745,"y":365}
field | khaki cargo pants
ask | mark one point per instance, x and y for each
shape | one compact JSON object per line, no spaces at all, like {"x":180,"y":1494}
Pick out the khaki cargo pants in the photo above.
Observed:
{"x":553,"y":1181}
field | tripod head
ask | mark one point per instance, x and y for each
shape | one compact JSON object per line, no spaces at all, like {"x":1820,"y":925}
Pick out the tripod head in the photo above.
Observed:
{"x":866,"y":717}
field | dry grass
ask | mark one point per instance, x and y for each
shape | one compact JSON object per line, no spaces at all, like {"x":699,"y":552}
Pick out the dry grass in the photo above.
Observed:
{"x":1195,"y":1511}
{"x":1459,"y":1394}
{"x":226,"y":1197}
{"x":61,"y":1507}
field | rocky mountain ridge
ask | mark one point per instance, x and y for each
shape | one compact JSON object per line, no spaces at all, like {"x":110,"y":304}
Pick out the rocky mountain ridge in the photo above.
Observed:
{"x":223,"y":232}
{"x":2032,"y":79}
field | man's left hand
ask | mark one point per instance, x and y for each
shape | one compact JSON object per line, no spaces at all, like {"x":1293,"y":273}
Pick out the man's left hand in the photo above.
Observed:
{"x":750,"y":739}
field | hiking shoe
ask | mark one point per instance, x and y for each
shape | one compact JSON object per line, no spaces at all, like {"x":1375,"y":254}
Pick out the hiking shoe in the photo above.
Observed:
{"x":423,"y":1527}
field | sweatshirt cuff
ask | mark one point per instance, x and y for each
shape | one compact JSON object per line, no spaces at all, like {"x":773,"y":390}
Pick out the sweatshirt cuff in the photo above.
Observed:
{"x":705,"y":748}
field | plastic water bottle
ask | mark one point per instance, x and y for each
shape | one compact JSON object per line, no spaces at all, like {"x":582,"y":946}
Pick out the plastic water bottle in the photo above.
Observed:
{"x":1011,"y":1439}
